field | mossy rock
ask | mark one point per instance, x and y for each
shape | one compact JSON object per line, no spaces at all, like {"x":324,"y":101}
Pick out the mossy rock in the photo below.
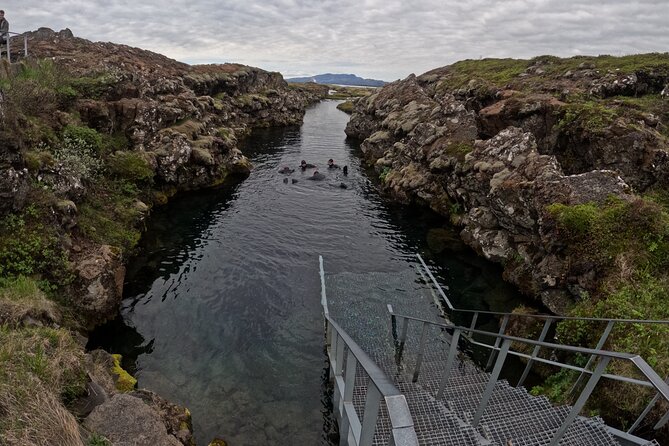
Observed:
{"x":125,"y":382}
{"x":218,"y":442}
{"x":202,"y":156}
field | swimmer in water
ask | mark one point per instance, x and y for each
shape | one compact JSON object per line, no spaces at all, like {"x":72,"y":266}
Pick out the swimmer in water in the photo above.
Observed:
{"x":304,"y":165}
{"x":316,"y":176}
{"x":286,"y":170}
{"x":332,"y":165}
{"x":345,"y":170}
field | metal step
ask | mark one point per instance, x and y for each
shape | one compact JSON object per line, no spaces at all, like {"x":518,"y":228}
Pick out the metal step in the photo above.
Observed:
{"x":582,"y":432}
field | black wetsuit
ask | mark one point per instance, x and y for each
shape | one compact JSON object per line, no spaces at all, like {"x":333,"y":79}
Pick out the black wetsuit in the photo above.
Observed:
{"x":317,"y":176}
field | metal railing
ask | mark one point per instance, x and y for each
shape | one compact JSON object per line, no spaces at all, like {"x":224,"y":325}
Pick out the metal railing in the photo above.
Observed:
{"x":7,"y":48}
{"x":548,"y":325}
{"x":346,"y":360}
{"x":465,"y":333}
{"x":458,"y":333}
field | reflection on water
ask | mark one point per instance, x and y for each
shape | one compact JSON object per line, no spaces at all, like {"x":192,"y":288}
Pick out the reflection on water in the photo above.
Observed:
{"x":222,"y":310}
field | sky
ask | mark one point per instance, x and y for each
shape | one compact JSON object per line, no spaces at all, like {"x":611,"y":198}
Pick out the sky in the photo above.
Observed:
{"x":380,"y":39}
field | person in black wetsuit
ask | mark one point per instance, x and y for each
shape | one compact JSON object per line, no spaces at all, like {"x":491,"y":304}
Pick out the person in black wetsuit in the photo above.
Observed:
{"x":304,"y":165}
{"x":286,"y":170}
{"x":332,"y":165}
{"x":345,"y":170}
{"x":317,"y":176}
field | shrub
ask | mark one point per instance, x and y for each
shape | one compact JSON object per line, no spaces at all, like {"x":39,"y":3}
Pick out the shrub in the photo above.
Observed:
{"x":29,"y":246}
{"x":131,"y":166}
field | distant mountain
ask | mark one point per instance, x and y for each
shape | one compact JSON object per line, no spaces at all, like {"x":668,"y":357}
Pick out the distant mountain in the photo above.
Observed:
{"x":338,"y":79}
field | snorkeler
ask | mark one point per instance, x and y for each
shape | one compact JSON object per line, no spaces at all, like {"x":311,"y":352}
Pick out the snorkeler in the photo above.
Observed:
{"x":345,"y":170}
{"x":332,"y":165}
{"x":304,"y":165}
{"x":286,"y":170}
{"x":317,"y":176}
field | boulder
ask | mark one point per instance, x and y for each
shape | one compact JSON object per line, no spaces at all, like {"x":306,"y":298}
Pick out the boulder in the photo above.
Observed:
{"x":126,"y":420}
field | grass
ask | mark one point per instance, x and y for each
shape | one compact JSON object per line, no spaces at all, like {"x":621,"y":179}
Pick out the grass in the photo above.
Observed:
{"x":459,"y":149}
{"x":20,"y":298}
{"x":30,"y":246}
{"x":500,"y":72}
{"x":346,"y":107}
{"x":41,"y":369}
{"x":626,"y":243}
{"x":108,"y":215}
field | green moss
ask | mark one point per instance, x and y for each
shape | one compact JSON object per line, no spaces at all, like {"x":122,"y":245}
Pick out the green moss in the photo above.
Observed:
{"x":496,"y":71}
{"x":627,"y":244}
{"x":346,"y":107}
{"x":384,"y":174}
{"x":247,"y":100}
{"x":125,"y":382}
{"x":94,"y":86}
{"x":98,"y":440}
{"x":108,"y":214}
{"x":577,"y":219}
{"x":189,"y":127}
{"x":29,"y":245}
{"x":591,"y":116}
{"x":130,"y":166}
{"x":459,"y":149}
{"x":85,"y":135}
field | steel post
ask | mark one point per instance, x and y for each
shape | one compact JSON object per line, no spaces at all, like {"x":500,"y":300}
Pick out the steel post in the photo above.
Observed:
{"x":494,"y":376}
{"x":421,"y":350}
{"x":600,"y":344}
{"x":582,"y":399}
{"x":535,"y":352}
{"x":372,"y":401}
{"x":502,"y":329}
{"x":452,"y":353}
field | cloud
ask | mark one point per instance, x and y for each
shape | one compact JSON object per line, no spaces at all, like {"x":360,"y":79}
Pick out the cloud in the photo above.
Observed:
{"x":373,"y":38}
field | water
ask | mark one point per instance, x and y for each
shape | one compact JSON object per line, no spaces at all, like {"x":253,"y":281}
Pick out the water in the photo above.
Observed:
{"x":222,"y":307}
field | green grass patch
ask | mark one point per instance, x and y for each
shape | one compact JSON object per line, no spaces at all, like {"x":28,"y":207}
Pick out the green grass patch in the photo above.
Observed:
{"x":459,"y":149}
{"x":346,"y":107}
{"x":496,"y":71}
{"x":108,"y":214}
{"x":41,"y":370}
{"x":30,"y":246}
{"x":131,"y":166}
{"x":591,"y":116}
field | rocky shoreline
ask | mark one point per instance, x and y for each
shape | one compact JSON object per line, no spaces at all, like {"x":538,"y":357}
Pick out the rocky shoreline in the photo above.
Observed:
{"x":93,"y":136}
{"x":555,"y":169}
{"x":493,"y":158}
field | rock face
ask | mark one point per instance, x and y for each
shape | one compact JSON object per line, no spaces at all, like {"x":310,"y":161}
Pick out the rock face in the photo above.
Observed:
{"x":138,"y":418}
{"x":94,"y":136}
{"x":177,"y":128}
{"x":494,"y":158}
{"x":185,"y":119}
{"x":127,"y":421}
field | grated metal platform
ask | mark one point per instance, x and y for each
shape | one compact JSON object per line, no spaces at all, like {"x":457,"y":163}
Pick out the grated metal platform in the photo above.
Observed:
{"x":513,"y":416}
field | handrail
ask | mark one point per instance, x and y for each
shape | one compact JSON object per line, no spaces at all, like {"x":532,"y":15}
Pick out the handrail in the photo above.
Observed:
{"x":654,"y":380}
{"x":345,"y":355}
{"x":536,"y":316}
{"x":548,"y":321}
{"x":8,"y":36}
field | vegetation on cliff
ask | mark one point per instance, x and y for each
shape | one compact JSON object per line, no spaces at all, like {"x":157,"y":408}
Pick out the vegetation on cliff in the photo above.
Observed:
{"x":92,"y":135}
{"x":558,"y":170}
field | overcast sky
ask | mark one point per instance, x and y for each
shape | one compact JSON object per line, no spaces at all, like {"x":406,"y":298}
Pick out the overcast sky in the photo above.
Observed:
{"x":382,"y":39}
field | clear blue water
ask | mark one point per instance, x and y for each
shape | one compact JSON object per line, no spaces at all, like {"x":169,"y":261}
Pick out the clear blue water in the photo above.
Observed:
{"x":222,"y":305}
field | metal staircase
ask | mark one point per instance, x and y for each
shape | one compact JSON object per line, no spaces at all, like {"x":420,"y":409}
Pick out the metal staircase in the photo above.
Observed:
{"x":405,"y":380}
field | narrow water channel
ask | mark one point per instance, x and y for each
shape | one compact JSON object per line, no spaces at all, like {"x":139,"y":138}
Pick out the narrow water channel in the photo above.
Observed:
{"x":222,"y":305}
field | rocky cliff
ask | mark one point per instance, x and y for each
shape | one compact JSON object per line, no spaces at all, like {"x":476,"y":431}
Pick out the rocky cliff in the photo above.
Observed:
{"x":557,"y":170}
{"x":92,"y":135}
{"x":494,"y":144}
